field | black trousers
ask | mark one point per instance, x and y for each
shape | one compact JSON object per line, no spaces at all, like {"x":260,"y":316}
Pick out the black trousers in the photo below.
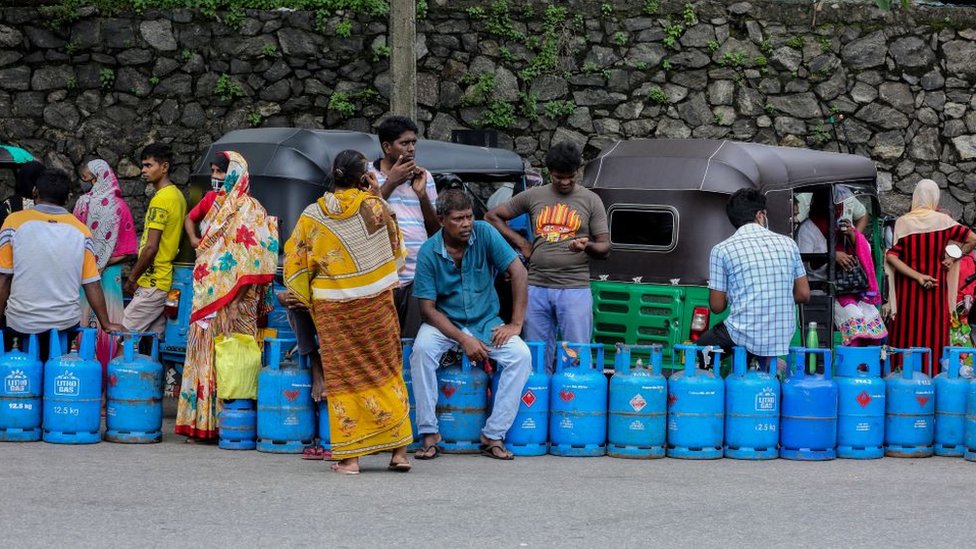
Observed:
{"x":408,"y":311}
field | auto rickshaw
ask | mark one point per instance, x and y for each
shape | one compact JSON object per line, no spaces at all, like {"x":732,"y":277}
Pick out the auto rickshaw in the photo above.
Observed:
{"x":12,"y":158}
{"x":665,"y":202}
{"x":289,"y":169}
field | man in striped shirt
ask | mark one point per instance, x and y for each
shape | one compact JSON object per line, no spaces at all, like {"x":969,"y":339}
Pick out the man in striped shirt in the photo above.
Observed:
{"x":410,"y":191}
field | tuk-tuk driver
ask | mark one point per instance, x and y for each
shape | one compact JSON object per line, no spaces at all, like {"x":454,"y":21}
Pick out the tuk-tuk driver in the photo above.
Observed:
{"x":570,"y":227}
{"x":411,"y":193}
{"x":759,"y":276}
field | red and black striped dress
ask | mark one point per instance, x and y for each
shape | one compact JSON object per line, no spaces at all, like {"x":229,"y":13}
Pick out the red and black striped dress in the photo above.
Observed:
{"x":923,"y":314}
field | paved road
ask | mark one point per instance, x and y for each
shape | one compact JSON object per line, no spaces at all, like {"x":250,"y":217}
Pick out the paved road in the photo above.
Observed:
{"x":111,"y":495}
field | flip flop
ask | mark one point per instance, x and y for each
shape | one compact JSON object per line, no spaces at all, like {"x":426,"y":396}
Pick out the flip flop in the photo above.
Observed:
{"x":315,"y":452}
{"x":488,"y":450}
{"x":424,"y":455}
{"x":336,"y":469}
{"x":400,"y":467}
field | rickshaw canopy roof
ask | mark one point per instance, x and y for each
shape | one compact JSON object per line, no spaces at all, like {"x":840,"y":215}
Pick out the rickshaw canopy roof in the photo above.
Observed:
{"x":719,"y":166}
{"x":302,"y":154}
{"x":11,"y":156}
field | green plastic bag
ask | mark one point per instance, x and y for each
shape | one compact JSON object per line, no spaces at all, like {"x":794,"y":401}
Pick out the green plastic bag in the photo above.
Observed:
{"x":237,"y":359}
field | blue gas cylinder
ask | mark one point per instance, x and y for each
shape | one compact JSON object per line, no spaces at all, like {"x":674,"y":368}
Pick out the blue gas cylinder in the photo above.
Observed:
{"x":861,"y":403}
{"x":910,"y":418}
{"x":529,"y":434}
{"x":638,"y":405}
{"x":951,"y":393}
{"x":462,"y":406}
{"x":238,"y":425}
{"x":970,"y":442}
{"x":286,"y":414}
{"x":751,"y":410}
{"x":578,"y":402}
{"x":134,"y":394}
{"x":20,"y":395}
{"x":808,"y":424}
{"x":73,"y":392}
{"x":696,"y":407}
{"x":408,"y":381}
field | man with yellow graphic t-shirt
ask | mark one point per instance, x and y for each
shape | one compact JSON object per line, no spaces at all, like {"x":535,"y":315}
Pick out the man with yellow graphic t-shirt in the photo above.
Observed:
{"x":152,"y":275}
{"x":570,"y":228}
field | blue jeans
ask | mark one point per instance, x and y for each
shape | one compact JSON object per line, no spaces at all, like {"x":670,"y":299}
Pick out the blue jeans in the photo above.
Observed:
{"x":514,"y":363}
{"x":566,"y":311}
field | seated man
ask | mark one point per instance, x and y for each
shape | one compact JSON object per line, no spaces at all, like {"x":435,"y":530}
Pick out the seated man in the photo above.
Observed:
{"x":454,"y":284}
{"x":45,"y":255}
{"x":757,"y":274}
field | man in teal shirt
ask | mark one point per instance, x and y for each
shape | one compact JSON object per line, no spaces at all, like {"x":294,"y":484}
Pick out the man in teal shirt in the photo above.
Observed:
{"x":455,"y":286}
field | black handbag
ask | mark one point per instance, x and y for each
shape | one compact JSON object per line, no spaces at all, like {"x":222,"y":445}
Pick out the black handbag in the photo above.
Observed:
{"x":850,"y":282}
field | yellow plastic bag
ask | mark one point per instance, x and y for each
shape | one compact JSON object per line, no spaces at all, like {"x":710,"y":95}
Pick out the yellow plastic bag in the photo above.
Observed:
{"x":237,"y":359}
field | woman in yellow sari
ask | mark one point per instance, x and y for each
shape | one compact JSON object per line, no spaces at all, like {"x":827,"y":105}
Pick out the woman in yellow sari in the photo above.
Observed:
{"x":236,"y":262}
{"x":342,"y":261}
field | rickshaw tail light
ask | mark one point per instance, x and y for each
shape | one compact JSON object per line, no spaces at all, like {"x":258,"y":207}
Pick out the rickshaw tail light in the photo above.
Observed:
{"x":172,"y":306}
{"x":699,"y":322}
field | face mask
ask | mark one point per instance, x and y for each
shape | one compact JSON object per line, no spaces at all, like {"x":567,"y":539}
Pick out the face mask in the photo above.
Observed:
{"x":86,"y":186}
{"x":215,"y":183}
{"x":150,"y":190}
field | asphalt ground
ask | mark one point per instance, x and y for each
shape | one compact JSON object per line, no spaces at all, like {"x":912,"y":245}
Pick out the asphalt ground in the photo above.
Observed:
{"x":175,"y":494}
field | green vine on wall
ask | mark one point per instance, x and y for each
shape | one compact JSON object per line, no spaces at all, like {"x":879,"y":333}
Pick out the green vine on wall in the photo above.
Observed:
{"x":65,"y":12}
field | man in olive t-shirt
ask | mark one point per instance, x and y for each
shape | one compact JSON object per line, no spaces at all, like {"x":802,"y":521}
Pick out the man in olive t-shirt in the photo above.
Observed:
{"x":569,"y":224}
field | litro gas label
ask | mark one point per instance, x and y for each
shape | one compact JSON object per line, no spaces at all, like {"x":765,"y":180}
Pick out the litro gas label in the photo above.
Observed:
{"x":766,"y":400}
{"x":67,"y":384}
{"x":16,"y":382}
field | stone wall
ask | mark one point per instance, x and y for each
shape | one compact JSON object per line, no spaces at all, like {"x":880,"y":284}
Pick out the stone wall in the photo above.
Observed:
{"x":895,"y":86}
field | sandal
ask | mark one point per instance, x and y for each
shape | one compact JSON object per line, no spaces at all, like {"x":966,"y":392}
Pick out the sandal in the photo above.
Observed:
{"x":315,"y":452}
{"x":495,"y":450}
{"x":428,"y":452}
{"x":336,"y":468}
{"x":400,"y":467}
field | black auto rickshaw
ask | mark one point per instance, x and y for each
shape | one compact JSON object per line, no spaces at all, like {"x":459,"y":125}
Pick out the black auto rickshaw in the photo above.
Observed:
{"x":665,"y":202}
{"x":289,"y":169}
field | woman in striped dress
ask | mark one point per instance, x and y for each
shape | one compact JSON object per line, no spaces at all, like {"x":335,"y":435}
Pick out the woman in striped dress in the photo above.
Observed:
{"x":923,"y":278}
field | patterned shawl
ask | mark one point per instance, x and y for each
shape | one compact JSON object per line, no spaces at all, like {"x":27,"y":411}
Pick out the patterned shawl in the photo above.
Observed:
{"x":239,"y":248}
{"x":346,"y":246}
{"x":107,"y":215}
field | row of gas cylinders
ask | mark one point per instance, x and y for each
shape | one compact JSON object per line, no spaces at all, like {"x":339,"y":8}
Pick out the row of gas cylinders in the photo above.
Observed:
{"x":750,"y":414}
{"x":60,"y":401}
{"x":639,"y":413}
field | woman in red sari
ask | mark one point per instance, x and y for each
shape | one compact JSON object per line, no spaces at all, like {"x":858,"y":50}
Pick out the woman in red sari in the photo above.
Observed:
{"x":923,"y":277}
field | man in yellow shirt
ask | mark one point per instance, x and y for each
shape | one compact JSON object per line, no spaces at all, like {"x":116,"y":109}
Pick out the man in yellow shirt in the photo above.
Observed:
{"x":45,"y":255}
{"x":152,"y":275}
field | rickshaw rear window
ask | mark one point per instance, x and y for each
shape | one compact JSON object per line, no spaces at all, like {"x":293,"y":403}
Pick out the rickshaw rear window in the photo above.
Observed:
{"x":644,"y":227}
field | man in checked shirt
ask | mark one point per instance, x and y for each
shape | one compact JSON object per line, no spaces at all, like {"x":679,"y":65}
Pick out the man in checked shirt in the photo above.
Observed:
{"x":759,"y":276}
